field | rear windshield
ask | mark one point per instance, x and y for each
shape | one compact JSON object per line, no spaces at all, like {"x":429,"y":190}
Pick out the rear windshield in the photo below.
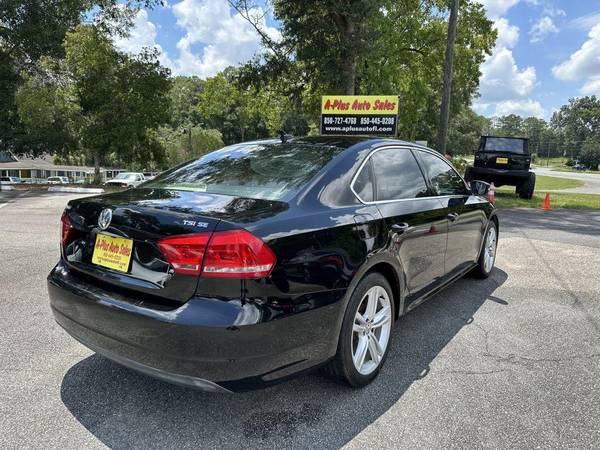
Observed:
{"x":262,"y":171}
{"x":500,"y":144}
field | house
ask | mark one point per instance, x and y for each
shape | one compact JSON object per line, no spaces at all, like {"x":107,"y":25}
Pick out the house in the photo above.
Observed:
{"x":37,"y":170}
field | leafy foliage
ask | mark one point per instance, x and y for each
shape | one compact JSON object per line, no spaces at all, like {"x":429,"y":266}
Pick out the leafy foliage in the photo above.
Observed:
{"x":33,"y":29}
{"x":590,"y":155}
{"x":97,"y":98}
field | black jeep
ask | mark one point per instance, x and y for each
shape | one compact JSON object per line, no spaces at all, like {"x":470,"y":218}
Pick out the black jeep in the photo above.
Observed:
{"x":503,"y":160}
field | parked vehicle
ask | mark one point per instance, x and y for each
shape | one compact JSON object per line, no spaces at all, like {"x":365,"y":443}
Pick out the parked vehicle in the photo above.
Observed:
{"x":150,"y":175}
{"x":10,"y":180}
{"x":504,"y":161}
{"x":58,"y":180}
{"x":126,"y":179}
{"x":265,"y":259}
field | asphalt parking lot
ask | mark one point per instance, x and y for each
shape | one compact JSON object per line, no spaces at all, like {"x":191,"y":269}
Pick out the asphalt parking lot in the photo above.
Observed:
{"x":512,"y":361}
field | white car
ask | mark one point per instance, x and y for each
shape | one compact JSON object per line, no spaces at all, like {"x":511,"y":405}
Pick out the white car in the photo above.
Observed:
{"x":58,"y":180}
{"x":126,"y":179}
{"x":10,"y":180}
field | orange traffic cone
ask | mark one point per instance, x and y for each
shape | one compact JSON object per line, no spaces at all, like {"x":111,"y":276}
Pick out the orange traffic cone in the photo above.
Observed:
{"x":491,"y":194}
{"x":546,"y":202}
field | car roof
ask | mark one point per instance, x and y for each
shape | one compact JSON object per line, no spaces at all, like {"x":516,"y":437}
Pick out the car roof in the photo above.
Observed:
{"x":342,"y":142}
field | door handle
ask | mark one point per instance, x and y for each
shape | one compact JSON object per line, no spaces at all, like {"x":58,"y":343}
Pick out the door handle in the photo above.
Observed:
{"x":452,"y":216}
{"x":400,"y":228}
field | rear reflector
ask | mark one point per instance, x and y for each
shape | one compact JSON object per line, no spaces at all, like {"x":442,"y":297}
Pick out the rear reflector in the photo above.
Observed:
{"x":227,"y":254}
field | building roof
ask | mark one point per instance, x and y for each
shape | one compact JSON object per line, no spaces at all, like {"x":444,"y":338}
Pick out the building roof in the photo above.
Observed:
{"x":43,"y":163}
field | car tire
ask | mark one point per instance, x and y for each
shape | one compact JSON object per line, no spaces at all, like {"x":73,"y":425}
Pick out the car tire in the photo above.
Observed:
{"x":487,"y":257}
{"x":354,"y":362}
{"x":526,"y":188}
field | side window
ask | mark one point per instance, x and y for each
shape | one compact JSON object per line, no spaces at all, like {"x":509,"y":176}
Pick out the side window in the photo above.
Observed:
{"x":363,"y":185}
{"x":443,"y":177}
{"x":397,"y":175}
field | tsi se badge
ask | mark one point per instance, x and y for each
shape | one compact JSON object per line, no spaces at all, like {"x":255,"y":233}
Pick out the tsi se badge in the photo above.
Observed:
{"x":104,"y":218}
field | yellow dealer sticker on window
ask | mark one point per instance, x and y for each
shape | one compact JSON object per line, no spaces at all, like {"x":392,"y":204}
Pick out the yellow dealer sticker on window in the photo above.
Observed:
{"x":112,"y":252}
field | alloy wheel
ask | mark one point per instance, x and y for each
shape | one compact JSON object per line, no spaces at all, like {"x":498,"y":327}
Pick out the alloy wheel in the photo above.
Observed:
{"x":371,"y":330}
{"x":489,"y":254}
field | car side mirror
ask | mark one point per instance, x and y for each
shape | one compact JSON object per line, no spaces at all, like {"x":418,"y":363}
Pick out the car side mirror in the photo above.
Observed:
{"x":479,"y":187}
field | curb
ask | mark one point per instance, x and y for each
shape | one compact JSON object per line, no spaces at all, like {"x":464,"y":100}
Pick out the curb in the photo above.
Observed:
{"x":75,"y":190}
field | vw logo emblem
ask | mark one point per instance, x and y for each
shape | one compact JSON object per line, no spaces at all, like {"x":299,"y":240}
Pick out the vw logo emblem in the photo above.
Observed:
{"x":104,"y":218}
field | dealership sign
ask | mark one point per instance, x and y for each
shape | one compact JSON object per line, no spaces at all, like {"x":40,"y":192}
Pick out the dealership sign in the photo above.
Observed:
{"x":359,"y":114}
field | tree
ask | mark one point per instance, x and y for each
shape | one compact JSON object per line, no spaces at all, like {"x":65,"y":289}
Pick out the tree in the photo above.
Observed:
{"x":32,"y":29}
{"x":104,"y":100}
{"x":465,"y":130}
{"x":398,"y":48}
{"x":329,"y":37}
{"x":180,"y":148}
{"x":184,"y":96}
{"x":447,"y":89}
{"x":578,"y":122}
{"x":510,"y":125}
{"x":590,"y":155}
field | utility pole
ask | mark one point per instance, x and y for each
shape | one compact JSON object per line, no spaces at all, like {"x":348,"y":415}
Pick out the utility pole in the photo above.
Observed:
{"x":448,"y":62}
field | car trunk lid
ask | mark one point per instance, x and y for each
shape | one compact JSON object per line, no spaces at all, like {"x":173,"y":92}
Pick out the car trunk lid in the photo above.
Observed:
{"x":143,"y":217}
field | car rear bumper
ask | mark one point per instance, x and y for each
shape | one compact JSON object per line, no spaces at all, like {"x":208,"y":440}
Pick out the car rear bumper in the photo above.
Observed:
{"x":208,"y":344}
{"x":501,"y":176}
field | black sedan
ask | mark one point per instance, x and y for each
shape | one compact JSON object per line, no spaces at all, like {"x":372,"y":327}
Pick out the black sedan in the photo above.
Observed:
{"x":265,"y":259}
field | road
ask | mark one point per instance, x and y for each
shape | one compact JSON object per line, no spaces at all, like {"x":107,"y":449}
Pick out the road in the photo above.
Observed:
{"x":591,"y":180}
{"x":512,"y":361}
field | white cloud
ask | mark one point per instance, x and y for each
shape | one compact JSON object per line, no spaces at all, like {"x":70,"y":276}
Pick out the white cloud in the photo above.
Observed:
{"x":591,"y":86}
{"x":554,"y":12}
{"x":501,"y":79}
{"x":508,"y":35}
{"x":584,"y":64}
{"x":142,"y":35}
{"x":586,"y":22}
{"x":227,"y":39}
{"x":525,"y":108}
{"x":497,"y":8}
{"x":224,"y":38}
{"x":542,"y":29}
{"x":502,"y":82}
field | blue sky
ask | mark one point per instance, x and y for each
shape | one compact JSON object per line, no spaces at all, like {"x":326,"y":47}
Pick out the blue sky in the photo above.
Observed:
{"x":547,"y":51}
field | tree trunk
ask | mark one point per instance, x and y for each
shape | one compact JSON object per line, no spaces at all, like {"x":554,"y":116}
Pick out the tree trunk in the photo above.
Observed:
{"x":349,"y":71}
{"x":96,"y":158}
{"x":449,"y":60}
{"x":348,"y":55}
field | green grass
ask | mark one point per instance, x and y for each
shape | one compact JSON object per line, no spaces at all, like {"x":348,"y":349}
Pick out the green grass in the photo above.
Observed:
{"x":558,"y":161}
{"x":543,"y":182}
{"x":506,"y":197}
{"x":557,"y":200}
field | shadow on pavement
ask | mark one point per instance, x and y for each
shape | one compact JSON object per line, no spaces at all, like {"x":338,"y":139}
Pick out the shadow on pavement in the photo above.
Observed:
{"x":124,"y":409}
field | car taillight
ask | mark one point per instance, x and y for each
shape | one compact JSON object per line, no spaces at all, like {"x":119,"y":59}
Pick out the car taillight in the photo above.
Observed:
{"x":237,"y":254}
{"x":66,"y":229}
{"x":227,"y":254}
{"x":185,"y":252}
